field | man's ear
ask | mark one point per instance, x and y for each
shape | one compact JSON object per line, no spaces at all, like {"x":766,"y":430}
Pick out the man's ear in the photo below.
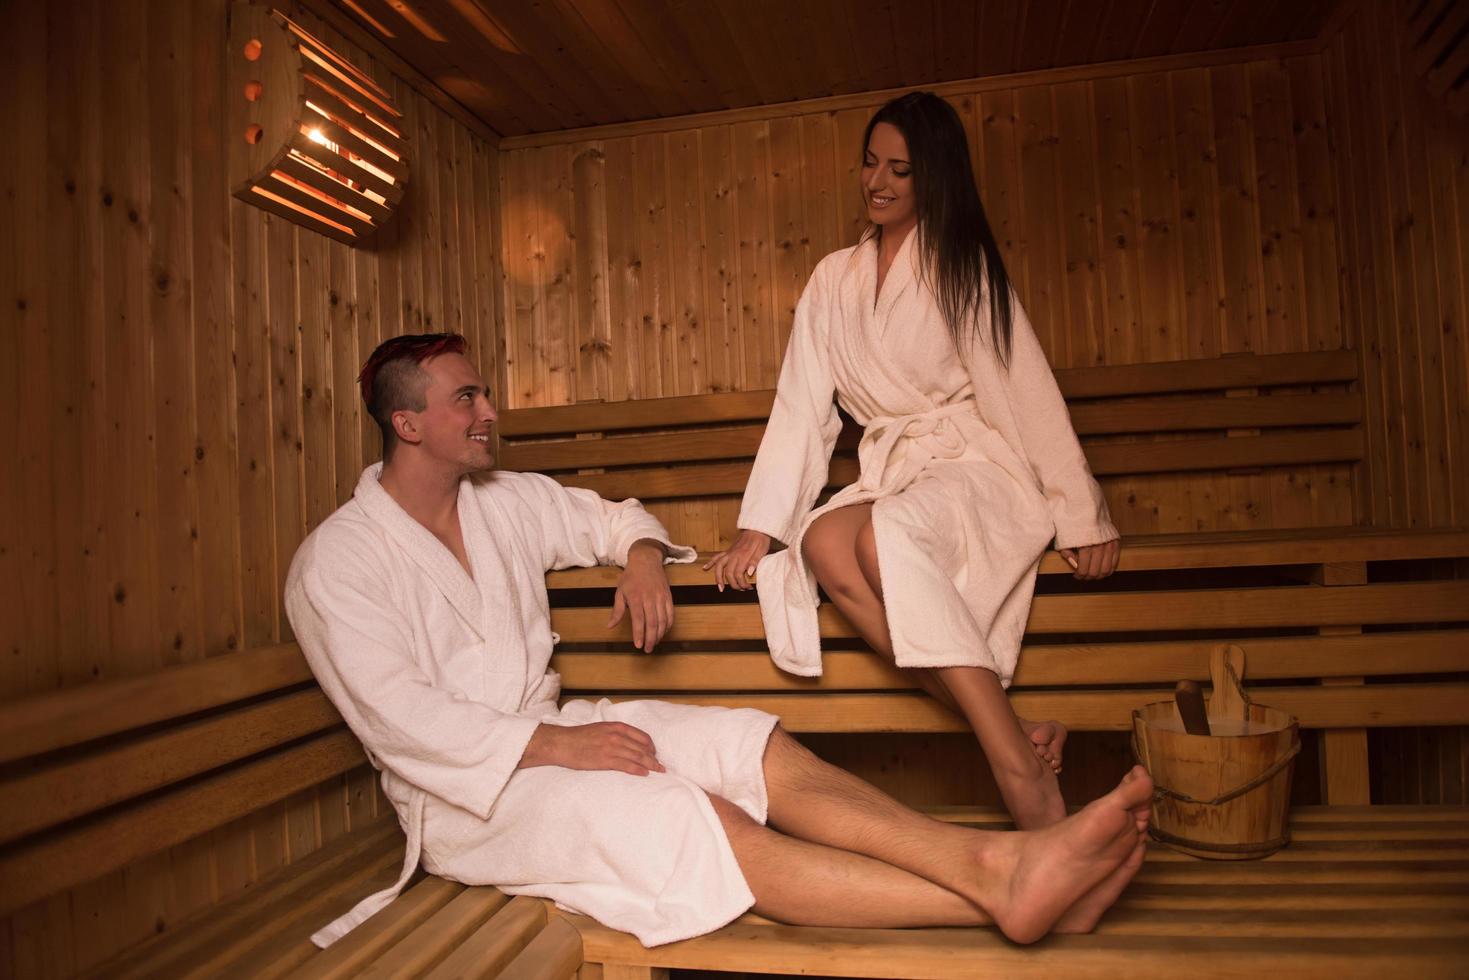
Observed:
{"x":405,"y":426}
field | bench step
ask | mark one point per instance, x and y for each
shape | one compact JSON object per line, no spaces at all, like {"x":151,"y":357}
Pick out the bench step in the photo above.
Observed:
{"x":1362,"y":892}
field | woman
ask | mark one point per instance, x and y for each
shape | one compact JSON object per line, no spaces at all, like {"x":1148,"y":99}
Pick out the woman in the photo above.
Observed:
{"x":969,"y":464}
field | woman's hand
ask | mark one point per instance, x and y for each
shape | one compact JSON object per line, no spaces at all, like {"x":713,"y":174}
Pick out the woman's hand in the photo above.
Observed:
{"x":1094,"y":561}
{"x":735,"y":567}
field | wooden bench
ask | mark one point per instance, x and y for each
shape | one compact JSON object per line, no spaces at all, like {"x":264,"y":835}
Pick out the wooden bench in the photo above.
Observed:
{"x":97,"y":777}
{"x":1362,"y":891}
{"x":1319,"y":611}
{"x":1349,"y":627}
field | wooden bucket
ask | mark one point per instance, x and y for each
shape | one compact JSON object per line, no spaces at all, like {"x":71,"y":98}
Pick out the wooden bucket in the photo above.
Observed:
{"x":1224,"y":795}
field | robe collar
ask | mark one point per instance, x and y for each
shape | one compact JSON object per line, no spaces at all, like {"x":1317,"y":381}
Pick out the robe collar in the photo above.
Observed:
{"x":425,"y":550}
{"x":902,"y":275}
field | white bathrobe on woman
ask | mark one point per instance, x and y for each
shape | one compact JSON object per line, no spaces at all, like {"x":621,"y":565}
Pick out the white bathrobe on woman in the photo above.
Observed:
{"x":444,"y":677}
{"x":972,"y":469}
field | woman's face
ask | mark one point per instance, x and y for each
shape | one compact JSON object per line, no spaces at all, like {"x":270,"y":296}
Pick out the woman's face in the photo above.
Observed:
{"x":887,"y":179}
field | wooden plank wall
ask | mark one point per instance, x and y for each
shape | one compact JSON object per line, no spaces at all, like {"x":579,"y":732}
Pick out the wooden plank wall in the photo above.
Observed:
{"x":178,"y":369}
{"x":1171,"y":208}
{"x":1402,"y":162}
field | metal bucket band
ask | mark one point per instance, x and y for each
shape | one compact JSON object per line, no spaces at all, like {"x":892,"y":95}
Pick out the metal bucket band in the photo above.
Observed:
{"x":1281,"y":763}
{"x":1267,"y":845}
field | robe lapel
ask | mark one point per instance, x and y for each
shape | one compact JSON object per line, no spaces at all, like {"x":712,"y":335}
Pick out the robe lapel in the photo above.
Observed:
{"x":425,"y":550}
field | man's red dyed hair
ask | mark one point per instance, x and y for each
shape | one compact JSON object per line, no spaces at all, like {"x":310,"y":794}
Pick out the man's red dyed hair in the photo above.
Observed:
{"x":392,"y":381}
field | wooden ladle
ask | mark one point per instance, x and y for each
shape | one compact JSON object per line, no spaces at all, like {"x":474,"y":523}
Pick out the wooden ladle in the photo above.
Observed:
{"x":1226,"y":672}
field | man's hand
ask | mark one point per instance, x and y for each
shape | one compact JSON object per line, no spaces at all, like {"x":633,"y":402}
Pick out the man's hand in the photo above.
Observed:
{"x":1094,"y":560}
{"x":602,"y":745}
{"x":643,"y":593}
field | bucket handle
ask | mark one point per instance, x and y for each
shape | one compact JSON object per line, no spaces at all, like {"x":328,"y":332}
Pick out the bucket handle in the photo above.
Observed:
{"x":1280,"y":764}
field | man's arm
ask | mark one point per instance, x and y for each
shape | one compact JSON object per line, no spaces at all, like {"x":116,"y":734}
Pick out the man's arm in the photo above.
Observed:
{"x":643,"y":594}
{"x":360,"y":650}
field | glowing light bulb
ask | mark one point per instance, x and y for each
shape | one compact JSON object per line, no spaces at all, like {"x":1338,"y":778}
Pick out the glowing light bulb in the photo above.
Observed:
{"x":317,"y":136}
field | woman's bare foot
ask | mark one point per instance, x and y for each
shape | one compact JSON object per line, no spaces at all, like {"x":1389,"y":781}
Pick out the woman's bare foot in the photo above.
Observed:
{"x":1082,"y":861}
{"x":1031,"y":792}
{"x":1047,"y":738}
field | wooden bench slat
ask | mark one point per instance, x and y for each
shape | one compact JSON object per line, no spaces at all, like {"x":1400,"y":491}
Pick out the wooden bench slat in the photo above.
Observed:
{"x":1208,"y":374}
{"x":1106,"y":459}
{"x":58,"y":793}
{"x":44,"y":723}
{"x":357,"y":951}
{"x":435,"y":939}
{"x":1098,"y":612}
{"x":642,"y":413}
{"x":554,"y":954}
{"x":1174,"y":414}
{"x":1243,"y":452}
{"x":271,"y":898}
{"x":284,"y":943}
{"x":1378,"y":705}
{"x":700,"y":444}
{"x":1389,"y":925}
{"x":1321,"y":898}
{"x":1270,"y":658}
{"x":1186,"y":413}
{"x":962,"y":954}
{"x":1216,"y":549}
{"x":1338,"y":873}
{"x":1102,"y":381}
{"x":491,"y":947}
{"x":70,"y":856}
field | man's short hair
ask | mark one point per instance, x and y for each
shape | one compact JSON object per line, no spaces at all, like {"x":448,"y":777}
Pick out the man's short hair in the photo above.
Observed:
{"x":393,"y":379}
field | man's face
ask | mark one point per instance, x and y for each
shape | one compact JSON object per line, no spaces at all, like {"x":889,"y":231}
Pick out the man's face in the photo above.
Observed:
{"x":454,"y":426}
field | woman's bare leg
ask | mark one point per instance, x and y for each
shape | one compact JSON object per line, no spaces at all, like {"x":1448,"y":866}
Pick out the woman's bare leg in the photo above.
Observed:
{"x":842,"y":553}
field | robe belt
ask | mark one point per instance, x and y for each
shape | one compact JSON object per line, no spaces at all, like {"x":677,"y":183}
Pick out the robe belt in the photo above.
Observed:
{"x":931,"y":431}
{"x":377,"y":901}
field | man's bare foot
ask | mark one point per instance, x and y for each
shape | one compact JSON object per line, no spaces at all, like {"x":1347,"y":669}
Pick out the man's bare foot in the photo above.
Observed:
{"x":1046,"y":873}
{"x":1087,"y":912}
{"x":1047,"y":738}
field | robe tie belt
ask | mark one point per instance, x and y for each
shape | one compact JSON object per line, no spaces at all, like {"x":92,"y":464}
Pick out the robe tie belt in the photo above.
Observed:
{"x":936,"y":433}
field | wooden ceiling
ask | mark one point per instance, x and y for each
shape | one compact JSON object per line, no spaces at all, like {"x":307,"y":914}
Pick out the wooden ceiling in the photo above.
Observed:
{"x":530,"y":66}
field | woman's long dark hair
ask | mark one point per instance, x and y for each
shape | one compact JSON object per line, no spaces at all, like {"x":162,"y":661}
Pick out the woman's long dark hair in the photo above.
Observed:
{"x":959,"y":249}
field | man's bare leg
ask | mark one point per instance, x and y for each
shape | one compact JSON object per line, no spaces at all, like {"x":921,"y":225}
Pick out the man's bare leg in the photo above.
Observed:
{"x":1027,"y":883}
{"x":843,"y":553}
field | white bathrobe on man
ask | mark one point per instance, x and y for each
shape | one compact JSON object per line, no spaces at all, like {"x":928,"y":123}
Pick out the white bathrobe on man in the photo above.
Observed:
{"x":971,"y":466}
{"x":445,"y":677}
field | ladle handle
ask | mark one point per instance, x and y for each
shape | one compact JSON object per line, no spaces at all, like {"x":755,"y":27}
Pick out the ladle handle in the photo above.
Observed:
{"x":1190,"y":699}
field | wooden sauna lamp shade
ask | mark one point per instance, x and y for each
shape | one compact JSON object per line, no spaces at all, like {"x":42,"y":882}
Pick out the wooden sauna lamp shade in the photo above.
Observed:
{"x":312,"y":137}
{"x":1438,"y":40}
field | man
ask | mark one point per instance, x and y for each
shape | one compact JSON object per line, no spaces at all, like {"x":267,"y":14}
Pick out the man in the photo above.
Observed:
{"x":421,"y":606}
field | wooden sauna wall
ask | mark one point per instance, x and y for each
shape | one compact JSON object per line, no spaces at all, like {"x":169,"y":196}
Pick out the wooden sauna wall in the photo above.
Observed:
{"x":1402,"y":161}
{"x":1172,"y":208}
{"x":177,"y":370}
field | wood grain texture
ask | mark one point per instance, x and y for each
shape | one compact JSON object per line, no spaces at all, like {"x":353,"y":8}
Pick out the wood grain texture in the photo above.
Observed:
{"x":1139,"y":213}
{"x":199,"y":412}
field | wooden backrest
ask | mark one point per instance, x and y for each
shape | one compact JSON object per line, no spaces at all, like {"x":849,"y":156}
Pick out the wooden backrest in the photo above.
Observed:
{"x":1311,"y":606}
{"x":95,"y":777}
{"x":1223,"y":413}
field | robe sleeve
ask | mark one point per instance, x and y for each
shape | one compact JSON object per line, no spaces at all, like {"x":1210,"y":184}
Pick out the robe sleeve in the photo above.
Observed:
{"x":578,"y":528}
{"x":344,"y":614}
{"x":1077,"y":506}
{"x":795,"y":452}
